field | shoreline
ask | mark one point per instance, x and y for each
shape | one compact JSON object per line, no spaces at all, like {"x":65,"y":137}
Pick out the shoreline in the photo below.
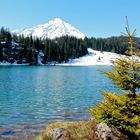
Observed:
{"x":93,"y":58}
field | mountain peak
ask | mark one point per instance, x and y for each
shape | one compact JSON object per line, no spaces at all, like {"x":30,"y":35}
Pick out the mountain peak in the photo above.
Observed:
{"x":57,"y":20}
{"x":54,"y":28}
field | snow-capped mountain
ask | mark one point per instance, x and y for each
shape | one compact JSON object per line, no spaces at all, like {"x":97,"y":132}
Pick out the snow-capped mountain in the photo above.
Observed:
{"x":54,"y":28}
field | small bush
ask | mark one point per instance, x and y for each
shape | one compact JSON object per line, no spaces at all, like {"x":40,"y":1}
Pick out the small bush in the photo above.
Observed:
{"x":119,"y":111}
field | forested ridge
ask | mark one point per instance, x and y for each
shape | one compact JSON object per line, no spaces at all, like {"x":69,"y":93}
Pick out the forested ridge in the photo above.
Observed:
{"x":22,"y":50}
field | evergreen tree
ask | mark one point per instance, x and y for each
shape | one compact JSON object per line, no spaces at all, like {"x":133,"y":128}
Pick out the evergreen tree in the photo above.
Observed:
{"x":1,"y":52}
{"x":123,"y":111}
{"x":126,"y":71}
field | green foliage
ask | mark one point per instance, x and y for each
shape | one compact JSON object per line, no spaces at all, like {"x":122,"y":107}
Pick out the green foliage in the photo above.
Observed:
{"x":5,"y":35}
{"x":123,"y":111}
{"x":119,"y":111}
{"x":126,"y":74}
{"x":82,"y":130}
{"x":27,"y":49}
{"x":126,"y":71}
{"x":111,"y":44}
{"x":57,"y":50}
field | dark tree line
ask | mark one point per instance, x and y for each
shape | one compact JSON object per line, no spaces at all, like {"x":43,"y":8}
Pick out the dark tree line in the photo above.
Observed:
{"x":22,"y":49}
{"x":111,"y":44}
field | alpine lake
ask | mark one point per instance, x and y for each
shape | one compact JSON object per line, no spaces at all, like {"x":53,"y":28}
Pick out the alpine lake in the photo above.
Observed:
{"x":33,"y":96}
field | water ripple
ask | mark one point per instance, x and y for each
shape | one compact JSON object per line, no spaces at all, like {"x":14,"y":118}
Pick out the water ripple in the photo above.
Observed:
{"x":41,"y":95}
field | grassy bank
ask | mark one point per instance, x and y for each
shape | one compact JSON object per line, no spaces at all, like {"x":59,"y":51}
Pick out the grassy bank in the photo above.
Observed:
{"x":83,"y":130}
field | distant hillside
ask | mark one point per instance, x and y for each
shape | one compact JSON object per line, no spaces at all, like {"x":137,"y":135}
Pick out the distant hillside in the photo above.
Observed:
{"x":112,"y":44}
{"x":36,"y":51}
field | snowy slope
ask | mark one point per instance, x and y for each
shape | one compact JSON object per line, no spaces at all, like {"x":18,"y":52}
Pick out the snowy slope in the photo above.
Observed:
{"x":54,"y":28}
{"x":94,"y":58}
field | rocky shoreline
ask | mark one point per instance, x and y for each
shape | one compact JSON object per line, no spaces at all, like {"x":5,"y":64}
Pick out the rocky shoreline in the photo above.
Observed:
{"x":82,"y":130}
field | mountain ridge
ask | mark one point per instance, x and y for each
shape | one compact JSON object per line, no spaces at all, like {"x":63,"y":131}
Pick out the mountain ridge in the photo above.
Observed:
{"x":52,"y":29}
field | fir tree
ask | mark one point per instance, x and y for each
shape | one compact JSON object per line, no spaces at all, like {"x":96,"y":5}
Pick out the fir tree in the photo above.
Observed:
{"x":126,"y":71}
{"x":123,"y":111}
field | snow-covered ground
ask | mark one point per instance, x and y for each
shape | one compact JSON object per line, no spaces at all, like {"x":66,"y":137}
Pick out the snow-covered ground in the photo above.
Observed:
{"x":13,"y":64}
{"x":93,"y":58}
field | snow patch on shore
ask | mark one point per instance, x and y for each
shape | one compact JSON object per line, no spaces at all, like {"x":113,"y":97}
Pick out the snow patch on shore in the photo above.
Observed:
{"x":12,"y":64}
{"x":94,"y":58}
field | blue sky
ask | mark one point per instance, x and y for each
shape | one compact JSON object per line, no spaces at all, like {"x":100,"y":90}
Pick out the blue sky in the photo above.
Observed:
{"x":95,"y":18}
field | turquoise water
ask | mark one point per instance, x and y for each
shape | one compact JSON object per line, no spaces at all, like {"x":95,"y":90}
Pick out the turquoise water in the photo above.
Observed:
{"x":31,"y":97}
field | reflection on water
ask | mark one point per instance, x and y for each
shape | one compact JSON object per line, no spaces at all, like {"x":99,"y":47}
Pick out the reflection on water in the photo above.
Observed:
{"x":35,"y":96}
